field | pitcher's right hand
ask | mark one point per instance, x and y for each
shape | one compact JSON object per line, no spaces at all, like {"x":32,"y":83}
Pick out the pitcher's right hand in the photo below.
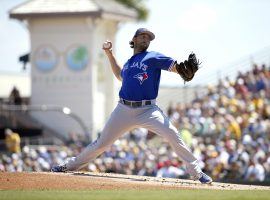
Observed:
{"x":107,"y":45}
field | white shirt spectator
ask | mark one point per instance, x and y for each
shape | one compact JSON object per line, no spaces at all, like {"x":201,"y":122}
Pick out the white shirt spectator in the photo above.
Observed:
{"x":255,"y":173}
{"x":170,"y":172}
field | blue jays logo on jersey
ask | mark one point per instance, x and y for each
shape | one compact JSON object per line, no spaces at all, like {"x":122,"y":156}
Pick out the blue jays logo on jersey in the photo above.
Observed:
{"x":141,"y":77}
{"x":138,"y":65}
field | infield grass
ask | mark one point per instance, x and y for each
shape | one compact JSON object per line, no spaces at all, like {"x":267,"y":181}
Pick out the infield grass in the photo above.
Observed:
{"x":134,"y":194}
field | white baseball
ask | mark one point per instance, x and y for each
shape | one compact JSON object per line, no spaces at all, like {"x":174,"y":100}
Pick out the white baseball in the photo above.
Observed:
{"x":107,"y":45}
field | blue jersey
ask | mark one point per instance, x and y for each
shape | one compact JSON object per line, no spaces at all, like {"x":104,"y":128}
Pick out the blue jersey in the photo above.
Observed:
{"x":141,"y":75}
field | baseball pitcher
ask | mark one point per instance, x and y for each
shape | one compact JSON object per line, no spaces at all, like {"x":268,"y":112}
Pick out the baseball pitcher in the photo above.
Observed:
{"x":140,"y":77}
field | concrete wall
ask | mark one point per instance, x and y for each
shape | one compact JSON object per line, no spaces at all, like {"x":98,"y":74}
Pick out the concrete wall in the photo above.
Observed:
{"x":53,"y":80}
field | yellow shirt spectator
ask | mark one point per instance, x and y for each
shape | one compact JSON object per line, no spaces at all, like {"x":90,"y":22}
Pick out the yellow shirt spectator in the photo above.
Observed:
{"x":235,"y":129}
{"x":13,"y":141}
{"x":258,"y":103}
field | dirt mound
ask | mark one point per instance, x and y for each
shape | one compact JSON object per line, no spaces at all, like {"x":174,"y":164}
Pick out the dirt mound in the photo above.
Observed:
{"x":93,"y":181}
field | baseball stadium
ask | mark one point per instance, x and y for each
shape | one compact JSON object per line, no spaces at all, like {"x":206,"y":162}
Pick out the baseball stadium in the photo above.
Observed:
{"x":125,"y":99}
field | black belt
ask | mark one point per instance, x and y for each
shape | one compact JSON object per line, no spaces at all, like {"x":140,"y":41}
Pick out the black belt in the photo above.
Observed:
{"x":137,"y":103}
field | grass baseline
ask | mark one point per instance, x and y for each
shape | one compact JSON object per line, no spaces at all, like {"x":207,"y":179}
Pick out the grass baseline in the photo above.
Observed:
{"x":199,"y":194}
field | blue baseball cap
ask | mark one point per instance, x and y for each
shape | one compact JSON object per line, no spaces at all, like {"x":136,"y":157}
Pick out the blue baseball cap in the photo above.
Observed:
{"x":146,"y":31}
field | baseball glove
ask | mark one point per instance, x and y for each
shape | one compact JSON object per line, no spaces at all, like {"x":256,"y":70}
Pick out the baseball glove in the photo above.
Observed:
{"x":188,"y":68}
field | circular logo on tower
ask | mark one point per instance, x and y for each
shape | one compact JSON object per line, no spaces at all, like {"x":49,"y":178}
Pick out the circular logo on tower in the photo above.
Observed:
{"x":45,"y":58}
{"x":77,"y":57}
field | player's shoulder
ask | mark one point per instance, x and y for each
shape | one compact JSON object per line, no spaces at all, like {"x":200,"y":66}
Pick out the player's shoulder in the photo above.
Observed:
{"x":154,"y":53}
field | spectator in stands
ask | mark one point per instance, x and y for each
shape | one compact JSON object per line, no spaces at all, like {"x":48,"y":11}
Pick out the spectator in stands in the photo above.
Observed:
{"x":13,"y":141}
{"x":170,"y":171}
{"x":15,"y":97}
{"x":255,"y":172}
{"x":234,"y":129}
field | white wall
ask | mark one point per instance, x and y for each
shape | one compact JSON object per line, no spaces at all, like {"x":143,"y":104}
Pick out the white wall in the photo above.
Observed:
{"x":62,"y":86}
{"x":107,"y":84}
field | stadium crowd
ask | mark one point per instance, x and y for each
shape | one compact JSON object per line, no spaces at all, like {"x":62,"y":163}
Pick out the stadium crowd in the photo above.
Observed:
{"x":228,"y":129}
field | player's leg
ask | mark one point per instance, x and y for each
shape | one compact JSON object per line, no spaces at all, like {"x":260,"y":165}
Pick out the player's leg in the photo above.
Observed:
{"x":157,"y":122}
{"x":118,"y":123}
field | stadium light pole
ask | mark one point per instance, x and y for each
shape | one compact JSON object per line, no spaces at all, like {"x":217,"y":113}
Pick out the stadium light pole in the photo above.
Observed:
{"x":45,"y":108}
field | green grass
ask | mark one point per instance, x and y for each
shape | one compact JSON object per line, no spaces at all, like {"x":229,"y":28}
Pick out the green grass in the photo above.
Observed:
{"x":134,"y":194}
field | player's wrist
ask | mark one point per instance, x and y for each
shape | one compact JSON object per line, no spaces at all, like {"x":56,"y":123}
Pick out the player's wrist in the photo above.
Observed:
{"x":108,"y":52}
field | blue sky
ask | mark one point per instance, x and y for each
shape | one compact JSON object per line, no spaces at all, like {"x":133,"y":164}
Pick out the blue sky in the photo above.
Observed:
{"x":219,"y":32}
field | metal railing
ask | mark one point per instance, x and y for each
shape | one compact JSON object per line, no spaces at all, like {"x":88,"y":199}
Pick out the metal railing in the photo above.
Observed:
{"x":48,"y":108}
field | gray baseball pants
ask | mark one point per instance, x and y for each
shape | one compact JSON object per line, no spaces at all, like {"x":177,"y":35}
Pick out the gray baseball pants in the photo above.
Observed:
{"x":125,"y":118}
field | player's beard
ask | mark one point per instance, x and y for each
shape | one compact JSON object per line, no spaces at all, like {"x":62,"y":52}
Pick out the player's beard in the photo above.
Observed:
{"x":142,"y":46}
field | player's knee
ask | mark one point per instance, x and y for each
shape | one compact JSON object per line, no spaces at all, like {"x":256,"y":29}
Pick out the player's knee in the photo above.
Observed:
{"x":97,"y":145}
{"x":173,"y":135}
{"x":102,"y":146}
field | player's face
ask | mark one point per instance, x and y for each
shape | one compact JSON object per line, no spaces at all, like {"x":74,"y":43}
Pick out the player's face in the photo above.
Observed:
{"x":142,"y":42}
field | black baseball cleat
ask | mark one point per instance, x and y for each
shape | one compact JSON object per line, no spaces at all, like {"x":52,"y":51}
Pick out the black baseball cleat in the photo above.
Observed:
{"x":59,"y":168}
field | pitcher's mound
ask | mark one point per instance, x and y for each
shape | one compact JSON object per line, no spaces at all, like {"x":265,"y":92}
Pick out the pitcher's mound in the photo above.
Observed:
{"x":94,"y":181}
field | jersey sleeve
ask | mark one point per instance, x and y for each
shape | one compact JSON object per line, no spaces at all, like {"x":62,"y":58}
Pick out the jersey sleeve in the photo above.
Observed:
{"x":163,"y":62}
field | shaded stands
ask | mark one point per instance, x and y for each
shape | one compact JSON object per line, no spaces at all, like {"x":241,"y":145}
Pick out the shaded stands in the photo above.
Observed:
{"x":20,"y":121}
